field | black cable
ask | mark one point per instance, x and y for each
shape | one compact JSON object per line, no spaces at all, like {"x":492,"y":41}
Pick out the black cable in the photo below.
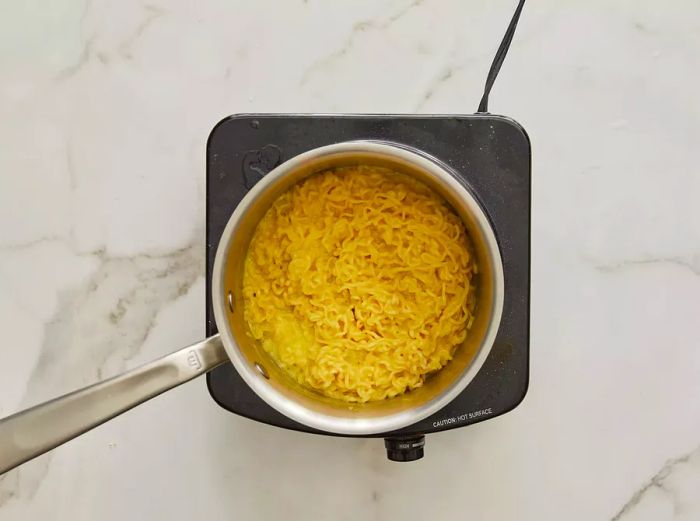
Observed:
{"x":500,"y":56}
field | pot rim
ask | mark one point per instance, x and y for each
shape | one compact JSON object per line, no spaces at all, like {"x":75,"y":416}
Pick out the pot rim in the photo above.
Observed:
{"x":334,"y":424}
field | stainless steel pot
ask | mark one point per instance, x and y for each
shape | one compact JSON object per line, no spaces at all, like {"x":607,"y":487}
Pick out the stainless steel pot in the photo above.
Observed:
{"x":34,"y":431}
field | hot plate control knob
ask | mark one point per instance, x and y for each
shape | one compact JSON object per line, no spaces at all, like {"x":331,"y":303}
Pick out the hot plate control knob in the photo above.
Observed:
{"x":405,"y":448}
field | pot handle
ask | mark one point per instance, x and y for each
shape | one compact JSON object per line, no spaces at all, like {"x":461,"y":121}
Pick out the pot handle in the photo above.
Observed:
{"x":32,"y":432}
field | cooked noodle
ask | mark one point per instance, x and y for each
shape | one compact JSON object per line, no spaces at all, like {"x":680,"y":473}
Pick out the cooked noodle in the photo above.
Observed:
{"x":357,"y":282}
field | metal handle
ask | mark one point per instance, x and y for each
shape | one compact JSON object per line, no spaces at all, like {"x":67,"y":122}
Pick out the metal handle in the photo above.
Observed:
{"x":32,"y":432}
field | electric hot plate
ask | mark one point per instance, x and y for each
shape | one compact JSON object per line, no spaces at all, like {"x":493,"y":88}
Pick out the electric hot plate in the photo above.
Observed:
{"x":490,"y":153}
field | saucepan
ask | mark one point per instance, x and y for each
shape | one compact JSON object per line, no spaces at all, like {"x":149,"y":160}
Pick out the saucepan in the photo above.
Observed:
{"x":34,"y":431}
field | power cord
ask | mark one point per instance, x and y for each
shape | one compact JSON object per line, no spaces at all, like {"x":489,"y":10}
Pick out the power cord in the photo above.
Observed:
{"x":500,"y":56}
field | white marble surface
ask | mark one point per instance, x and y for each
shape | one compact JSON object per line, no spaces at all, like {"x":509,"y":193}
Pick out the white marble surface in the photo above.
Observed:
{"x":104,"y":112}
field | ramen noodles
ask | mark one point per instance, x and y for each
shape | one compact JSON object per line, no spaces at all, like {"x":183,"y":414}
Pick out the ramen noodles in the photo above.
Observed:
{"x":358,"y":283}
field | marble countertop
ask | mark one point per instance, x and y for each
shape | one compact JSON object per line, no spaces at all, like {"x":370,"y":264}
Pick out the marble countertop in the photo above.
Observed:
{"x":105,"y":108}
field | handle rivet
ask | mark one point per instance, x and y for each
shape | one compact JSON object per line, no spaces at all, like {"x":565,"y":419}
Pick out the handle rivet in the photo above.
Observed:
{"x":261,"y":370}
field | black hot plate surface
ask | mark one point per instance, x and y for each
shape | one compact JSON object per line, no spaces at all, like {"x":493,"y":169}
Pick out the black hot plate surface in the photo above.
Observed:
{"x":490,"y":153}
